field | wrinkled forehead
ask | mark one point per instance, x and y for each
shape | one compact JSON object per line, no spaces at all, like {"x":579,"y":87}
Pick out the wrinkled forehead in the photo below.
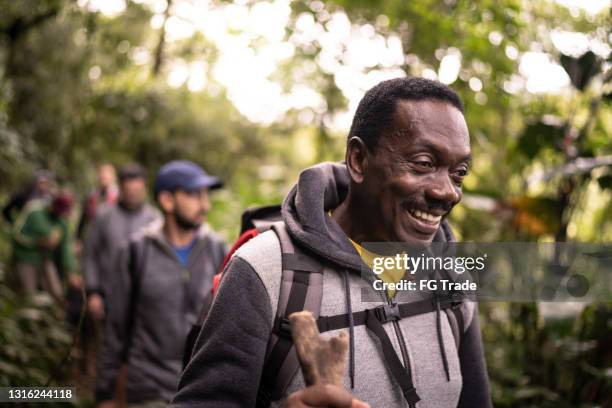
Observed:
{"x":431,"y":122}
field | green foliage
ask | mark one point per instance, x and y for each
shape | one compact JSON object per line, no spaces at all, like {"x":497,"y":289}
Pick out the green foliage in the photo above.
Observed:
{"x":33,"y":337}
{"x":554,"y":362}
{"x":538,"y":136}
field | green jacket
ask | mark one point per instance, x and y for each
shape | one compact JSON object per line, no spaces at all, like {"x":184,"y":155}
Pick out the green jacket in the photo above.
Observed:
{"x":34,"y":224}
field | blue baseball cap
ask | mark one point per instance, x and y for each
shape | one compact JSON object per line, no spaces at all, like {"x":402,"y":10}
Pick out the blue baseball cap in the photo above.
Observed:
{"x":184,"y":175}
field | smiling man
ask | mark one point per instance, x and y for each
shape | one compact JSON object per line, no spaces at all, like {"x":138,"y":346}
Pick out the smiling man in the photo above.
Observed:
{"x":408,"y":151}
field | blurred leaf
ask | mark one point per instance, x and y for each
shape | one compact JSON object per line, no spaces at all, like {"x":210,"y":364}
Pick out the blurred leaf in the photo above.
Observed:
{"x":538,"y":136}
{"x":581,"y":70}
{"x":536,"y":215}
{"x":605,"y":181}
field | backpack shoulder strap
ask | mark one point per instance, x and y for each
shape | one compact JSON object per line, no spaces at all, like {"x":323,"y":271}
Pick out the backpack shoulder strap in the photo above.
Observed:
{"x":301,"y":289}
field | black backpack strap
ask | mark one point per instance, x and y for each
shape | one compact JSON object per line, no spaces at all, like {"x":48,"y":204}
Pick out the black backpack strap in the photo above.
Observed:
{"x":136,"y":269}
{"x":374,"y":318}
{"x":386,"y":313}
{"x":402,"y":374}
{"x":301,"y":289}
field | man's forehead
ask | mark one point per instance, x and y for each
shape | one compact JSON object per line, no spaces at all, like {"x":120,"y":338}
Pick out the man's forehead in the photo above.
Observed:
{"x":431,"y":122}
{"x":410,"y":113}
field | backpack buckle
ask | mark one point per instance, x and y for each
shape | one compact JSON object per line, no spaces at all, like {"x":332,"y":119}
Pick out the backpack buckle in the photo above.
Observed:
{"x":387,"y":313}
{"x":411,"y":396}
{"x":453,"y":298}
{"x":282,"y":327}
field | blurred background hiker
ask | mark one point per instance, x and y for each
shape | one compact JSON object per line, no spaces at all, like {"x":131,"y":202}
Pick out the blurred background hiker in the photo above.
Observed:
{"x":104,"y":194}
{"x":39,"y":189}
{"x":111,"y":228}
{"x":163,"y":275}
{"x":42,"y":246}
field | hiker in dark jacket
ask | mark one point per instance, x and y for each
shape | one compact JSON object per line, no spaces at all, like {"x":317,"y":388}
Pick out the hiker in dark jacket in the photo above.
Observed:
{"x":105,"y":194}
{"x":165,"y":273}
{"x":111,"y":228}
{"x":114,"y":220}
{"x":407,"y":153}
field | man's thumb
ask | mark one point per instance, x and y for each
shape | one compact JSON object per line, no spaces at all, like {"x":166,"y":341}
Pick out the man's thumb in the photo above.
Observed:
{"x":359,"y":404}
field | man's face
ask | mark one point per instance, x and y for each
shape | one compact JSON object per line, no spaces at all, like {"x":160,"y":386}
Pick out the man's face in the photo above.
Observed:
{"x":414,"y":177}
{"x":43,"y":186}
{"x":133,"y":192}
{"x":106,"y":176}
{"x":190,"y":208}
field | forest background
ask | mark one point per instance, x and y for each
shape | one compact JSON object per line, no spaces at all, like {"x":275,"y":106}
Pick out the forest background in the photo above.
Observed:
{"x":255,"y":91}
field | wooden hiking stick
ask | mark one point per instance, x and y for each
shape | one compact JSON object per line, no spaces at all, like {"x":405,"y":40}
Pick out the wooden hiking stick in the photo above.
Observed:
{"x":322,"y":360}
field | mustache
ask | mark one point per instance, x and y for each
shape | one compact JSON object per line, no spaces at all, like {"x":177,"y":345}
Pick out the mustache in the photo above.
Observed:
{"x":428,"y":205}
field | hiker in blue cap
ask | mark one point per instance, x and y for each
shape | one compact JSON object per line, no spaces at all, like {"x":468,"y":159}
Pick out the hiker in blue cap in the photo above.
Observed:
{"x":165,"y":272}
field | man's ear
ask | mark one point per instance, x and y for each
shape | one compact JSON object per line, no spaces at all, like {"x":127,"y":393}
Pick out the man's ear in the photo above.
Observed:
{"x":356,"y":158}
{"x":166,"y":201}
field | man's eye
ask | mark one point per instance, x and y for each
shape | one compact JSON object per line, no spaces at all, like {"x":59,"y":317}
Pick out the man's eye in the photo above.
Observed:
{"x":459,"y":175}
{"x":426,"y":164}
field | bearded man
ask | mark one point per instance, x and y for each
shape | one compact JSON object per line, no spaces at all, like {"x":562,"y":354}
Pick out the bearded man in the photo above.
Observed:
{"x":164,"y":272}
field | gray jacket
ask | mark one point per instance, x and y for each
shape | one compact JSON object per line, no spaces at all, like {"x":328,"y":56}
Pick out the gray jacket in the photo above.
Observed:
{"x":229,"y":355}
{"x":153,"y":305}
{"x":111,"y":228}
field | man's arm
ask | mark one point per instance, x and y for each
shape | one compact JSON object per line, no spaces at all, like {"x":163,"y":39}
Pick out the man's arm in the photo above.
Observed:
{"x":22,"y":232}
{"x":229,"y":354}
{"x":476,"y":391}
{"x":112,"y":352}
{"x":67,"y":258}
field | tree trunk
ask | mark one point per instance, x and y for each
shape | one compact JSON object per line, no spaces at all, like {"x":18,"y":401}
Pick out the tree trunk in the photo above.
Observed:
{"x":159,"y":50}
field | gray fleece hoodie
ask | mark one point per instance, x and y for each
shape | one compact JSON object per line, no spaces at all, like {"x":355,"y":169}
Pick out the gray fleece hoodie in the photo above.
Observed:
{"x":229,"y":355}
{"x":150,"y":311}
{"x":111,"y":228}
